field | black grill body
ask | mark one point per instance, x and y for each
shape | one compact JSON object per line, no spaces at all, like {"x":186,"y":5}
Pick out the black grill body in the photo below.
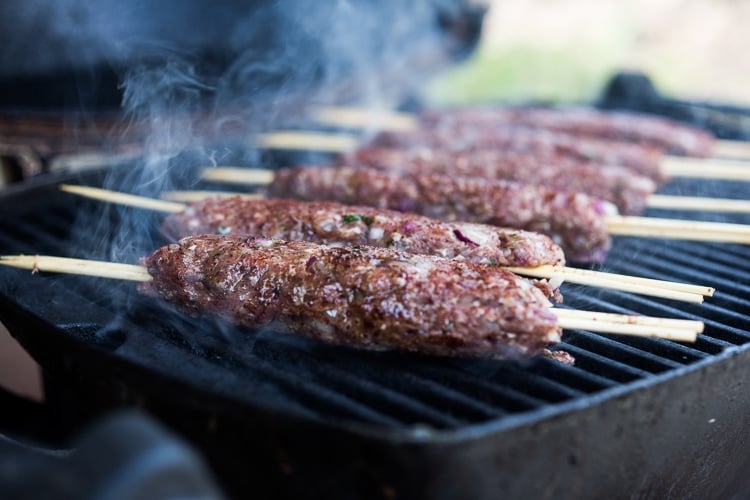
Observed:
{"x":279,"y":416}
{"x":634,"y":91}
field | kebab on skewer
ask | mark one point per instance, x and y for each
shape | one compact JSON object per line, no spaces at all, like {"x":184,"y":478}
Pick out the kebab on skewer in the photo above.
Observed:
{"x":539,"y":145}
{"x":669,"y":136}
{"x":522,"y":252}
{"x":577,"y":222}
{"x":467,"y":129}
{"x":366,"y":297}
{"x":541,"y":155}
{"x":630,"y":192}
{"x":643,"y":160}
{"x":461,"y":138}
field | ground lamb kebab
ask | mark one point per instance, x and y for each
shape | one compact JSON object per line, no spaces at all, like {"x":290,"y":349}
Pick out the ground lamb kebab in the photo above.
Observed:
{"x":525,"y":253}
{"x":373,"y":298}
{"x":536,"y":143}
{"x":361,"y":296}
{"x":334,"y":223}
{"x":628,"y":191}
{"x":575,"y":221}
{"x":667,"y":135}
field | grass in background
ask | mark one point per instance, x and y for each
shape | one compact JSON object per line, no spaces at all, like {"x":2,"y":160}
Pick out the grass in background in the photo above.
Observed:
{"x":524,"y":73}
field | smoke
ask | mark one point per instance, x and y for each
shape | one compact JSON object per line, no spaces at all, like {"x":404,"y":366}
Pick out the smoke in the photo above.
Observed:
{"x":197,"y":79}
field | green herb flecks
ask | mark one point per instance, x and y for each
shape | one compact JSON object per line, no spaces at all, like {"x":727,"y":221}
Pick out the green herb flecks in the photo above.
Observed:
{"x":349,"y":218}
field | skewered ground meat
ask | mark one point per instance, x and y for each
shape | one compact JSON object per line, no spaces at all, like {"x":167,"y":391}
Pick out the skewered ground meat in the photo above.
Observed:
{"x":573,"y":220}
{"x":373,"y":298}
{"x":333,"y":223}
{"x":458,"y":137}
{"x":667,"y":135}
{"x":616,"y":184}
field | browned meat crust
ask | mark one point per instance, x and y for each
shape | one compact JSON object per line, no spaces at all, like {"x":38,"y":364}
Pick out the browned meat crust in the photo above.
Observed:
{"x":336,"y":224}
{"x":648,"y":130}
{"x":627,"y":190}
{"x":457,"y":137}
{"x":573,"y":220}
{"x":372,"y":298}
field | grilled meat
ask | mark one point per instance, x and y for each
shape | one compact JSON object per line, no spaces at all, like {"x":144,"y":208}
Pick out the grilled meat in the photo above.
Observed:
{"x":573,"y":220}
{"x":460,"y":137}
{"x":372,"y":298}
{"x":667,"y":135}
{"x":336,"y":224}
{"x":628,"y":191}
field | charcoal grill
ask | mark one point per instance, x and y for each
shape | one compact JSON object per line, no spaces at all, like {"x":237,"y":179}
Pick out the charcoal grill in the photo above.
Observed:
{"x":280,"y":416}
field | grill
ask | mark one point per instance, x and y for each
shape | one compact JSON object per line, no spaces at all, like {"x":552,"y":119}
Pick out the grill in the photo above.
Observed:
{"x":282,"y":416}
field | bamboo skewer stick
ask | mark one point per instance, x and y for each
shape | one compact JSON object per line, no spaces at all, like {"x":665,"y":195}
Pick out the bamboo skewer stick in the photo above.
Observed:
{"x":238,"y":175}
{"x":352,"y":117}
{"x":706,"y":291}
{"x":667,"y":328}
{"x":124,"y":198}
{"x":651,"y":287}
{"x":626,"y":329}
{"x":255,"y":176}
{"x":650,"y":227}
{"x":307,"y":141}
{"x":97,"y":268}
{"x":633,"y":284}
{"x":686,"y":324}
{"x":698,"y":203}
{"x":705,"y":168}
{"x":732,"y":149}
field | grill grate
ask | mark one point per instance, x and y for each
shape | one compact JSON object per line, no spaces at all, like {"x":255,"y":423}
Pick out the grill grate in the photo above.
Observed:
{"x":346,"y":386}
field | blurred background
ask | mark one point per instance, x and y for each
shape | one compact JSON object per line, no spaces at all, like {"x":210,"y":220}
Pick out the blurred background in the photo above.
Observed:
{"x":555,"y":50}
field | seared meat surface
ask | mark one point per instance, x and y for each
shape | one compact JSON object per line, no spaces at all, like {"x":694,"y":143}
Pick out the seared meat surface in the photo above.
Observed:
{"x":460,"y":137}
{"x":627,"y":190}
{"x":648,"y":130}
{"x":337,"y":224}
{"x":575,"y":221}
{"x":372,"y":298}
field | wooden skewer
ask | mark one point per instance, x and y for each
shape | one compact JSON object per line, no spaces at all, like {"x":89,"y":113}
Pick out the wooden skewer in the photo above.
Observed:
{"x":651,"y":287}
{"x":124,"y":198}
{"x":706,"y":291}
{"x":352,"y":117}
{"x":633,"y":284}
{"x":591,"y":321}
{"x":698,"y":203}
{"x":625,"y":328}
{"x":653,"y":227}
{"x":238,"y":175}
{"x":732,"y":149}
{"x":97,"y":268}
{"x":705,"y":168}
{"x":306,"y":141}
{"x":685,"y":324}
